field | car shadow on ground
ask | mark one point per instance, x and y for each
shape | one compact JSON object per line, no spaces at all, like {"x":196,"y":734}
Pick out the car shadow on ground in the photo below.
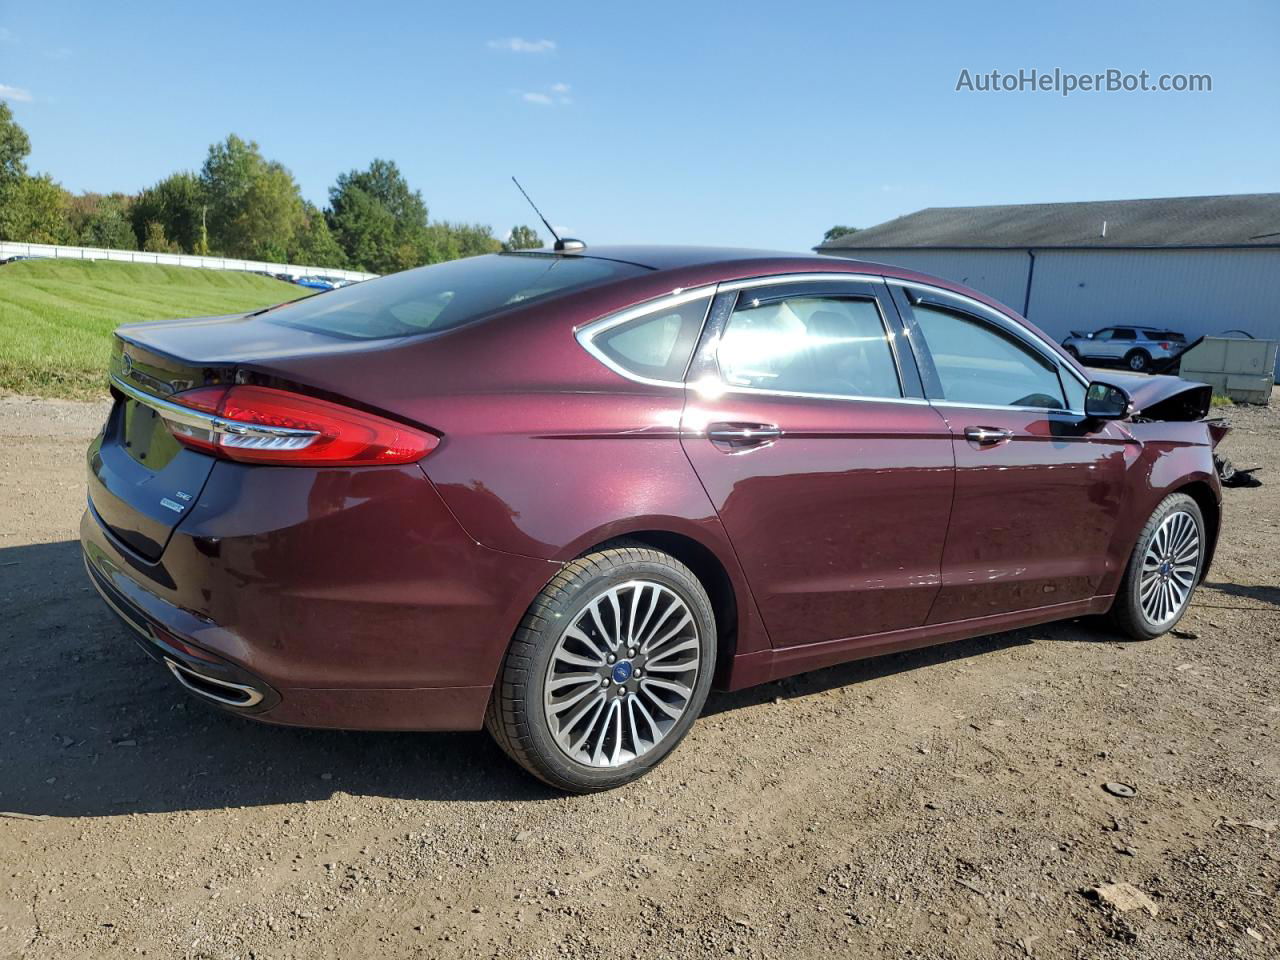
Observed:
{"x":1269,"y":595}
{"x":90,"y":726}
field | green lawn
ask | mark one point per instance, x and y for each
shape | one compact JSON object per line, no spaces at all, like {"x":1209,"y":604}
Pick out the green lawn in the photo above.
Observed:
{"x":56,"y":316}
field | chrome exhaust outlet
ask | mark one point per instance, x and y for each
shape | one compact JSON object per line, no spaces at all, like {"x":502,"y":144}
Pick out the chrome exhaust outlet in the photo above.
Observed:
{"x":220,"y":691}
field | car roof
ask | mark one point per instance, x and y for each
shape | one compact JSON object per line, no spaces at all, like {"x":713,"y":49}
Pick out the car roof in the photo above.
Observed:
{"x":739,"y":261}
{"x":672,"y":257}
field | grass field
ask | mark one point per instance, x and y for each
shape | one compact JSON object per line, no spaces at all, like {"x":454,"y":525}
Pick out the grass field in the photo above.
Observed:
{"x":56,"y":316}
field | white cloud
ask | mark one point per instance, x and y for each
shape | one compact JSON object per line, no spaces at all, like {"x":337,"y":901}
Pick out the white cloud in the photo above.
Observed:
{"x":521,"y":45}
{"x":557,"y":93}
{"x":16,"y":94}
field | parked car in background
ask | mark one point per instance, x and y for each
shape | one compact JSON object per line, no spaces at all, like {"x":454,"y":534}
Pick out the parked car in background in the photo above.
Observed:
{"x":317,"y":283}
{"x":1135,"y":347}
{"x":562,"y":494}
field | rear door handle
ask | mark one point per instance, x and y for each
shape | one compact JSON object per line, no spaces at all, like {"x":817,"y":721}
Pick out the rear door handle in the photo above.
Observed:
{"x":987,"y":436}
{"x":741,"y":436}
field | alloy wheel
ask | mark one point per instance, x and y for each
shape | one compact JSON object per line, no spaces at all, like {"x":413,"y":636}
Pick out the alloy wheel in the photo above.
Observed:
{"x":622,"y":674}
{"x":1169,"y":568}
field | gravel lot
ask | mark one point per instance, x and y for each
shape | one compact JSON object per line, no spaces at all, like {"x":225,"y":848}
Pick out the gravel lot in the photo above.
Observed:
{"x":946,"y":803}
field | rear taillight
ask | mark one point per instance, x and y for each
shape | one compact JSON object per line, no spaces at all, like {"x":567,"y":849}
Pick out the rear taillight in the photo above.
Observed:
{"x":1165,"y":345}
{"x":266,"y":425}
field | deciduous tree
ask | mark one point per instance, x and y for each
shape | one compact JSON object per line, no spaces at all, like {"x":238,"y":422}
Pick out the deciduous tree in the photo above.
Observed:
{"x":254,"y":207}
{"x":378,"y":219}
{"x":313,"y":243}
{"x":177,"y":202}
{"x":522,"y":238}
{"x":838,"y":231}
{"x":34,"y":211}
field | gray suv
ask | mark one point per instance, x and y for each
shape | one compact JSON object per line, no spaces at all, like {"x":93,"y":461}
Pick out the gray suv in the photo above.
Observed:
{"x":1136,"y":347}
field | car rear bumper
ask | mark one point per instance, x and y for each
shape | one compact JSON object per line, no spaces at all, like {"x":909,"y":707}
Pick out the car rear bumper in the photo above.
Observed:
{"x":373,"y":612}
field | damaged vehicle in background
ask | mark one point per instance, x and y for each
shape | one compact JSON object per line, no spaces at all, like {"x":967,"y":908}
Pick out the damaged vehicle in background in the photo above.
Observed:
{"x":562,"y":493}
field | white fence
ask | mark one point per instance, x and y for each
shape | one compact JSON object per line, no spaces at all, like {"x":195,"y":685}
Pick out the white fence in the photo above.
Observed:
{"x":8,"y":249}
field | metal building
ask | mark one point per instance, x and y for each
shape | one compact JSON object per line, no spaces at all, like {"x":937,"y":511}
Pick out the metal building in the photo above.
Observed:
{"x":1200,"y":265}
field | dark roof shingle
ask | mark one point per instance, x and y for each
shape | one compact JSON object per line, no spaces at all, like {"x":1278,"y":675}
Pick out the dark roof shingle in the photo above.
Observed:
{"x":1246,"y":219}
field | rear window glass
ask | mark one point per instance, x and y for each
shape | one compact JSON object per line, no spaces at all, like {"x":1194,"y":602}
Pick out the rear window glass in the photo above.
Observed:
{"x":656,"y":345}
{"x":445,"y":295}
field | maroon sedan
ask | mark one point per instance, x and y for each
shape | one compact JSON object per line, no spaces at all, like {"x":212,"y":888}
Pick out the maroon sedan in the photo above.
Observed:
{"x":561,"y":494}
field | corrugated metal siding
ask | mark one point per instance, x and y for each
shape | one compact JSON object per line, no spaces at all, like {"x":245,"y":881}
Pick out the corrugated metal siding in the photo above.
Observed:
{"x":998,"y":273}
{"x":1194,"y":291}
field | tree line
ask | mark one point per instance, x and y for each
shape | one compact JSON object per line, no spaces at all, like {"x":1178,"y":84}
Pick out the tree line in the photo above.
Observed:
{"x":241,"y":204}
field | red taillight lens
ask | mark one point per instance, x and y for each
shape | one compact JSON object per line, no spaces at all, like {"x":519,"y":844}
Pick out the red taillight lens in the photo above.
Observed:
{"x":1165,"y":345}
{"x":266,"y":425}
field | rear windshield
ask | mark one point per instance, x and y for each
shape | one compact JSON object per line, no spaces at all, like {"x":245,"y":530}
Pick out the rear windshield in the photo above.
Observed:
{"x":445,"y":295}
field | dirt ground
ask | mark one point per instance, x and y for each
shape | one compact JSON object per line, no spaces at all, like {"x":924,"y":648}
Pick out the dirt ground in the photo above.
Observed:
{"x":947,"y":803}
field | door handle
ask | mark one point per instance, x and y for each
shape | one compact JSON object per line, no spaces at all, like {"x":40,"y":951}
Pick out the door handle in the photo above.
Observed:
{"x":987,"y":436}
{"x":741,"y":436}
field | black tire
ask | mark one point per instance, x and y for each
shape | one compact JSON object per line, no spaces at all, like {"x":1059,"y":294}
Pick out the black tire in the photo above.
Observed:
{"x":517,"y":716}
{"x":1127,"y":614}
{"x":1139,"y":361}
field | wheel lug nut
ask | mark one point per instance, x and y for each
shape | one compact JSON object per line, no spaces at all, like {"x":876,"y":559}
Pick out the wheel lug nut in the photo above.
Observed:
{"x":612,"y":658}
{"x":631,"y":653}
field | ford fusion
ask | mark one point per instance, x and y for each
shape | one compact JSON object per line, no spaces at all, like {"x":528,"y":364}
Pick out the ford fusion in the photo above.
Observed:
{"x":561,"y":494}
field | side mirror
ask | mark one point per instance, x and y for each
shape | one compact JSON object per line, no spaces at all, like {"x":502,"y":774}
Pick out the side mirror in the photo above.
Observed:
{"x":1088,"y":336}
{"x":1105,"y":402}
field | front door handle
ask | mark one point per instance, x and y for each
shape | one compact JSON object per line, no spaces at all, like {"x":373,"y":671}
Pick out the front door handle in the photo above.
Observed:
{"x":742,"y":436}
{"x":987,"y":436}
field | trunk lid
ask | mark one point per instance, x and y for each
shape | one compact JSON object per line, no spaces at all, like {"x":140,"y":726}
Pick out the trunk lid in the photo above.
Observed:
{"x":142,"y":482}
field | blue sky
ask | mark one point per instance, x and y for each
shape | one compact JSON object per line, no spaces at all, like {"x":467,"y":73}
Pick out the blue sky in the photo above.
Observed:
{"x":734,"y":123}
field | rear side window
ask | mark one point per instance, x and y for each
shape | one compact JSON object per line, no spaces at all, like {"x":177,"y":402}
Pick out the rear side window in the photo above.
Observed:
{"x":821,"y":345}
{"x":977,"y":363}
{"x":1125,"y":333}
{"x":445,"y":295}
{"x":656,"y":345}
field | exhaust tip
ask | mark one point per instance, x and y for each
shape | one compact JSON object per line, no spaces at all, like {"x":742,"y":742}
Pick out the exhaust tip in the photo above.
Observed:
{"x":223,"y":692}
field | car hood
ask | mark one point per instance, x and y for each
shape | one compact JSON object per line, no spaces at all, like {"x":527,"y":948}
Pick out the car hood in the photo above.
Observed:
{"x":1162,"y":397}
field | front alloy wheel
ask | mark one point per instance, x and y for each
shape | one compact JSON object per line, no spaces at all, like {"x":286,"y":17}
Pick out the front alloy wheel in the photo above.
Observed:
{"x":608,"y":670}
{"x":1163,"y":571}
{"x":1169,"y":568}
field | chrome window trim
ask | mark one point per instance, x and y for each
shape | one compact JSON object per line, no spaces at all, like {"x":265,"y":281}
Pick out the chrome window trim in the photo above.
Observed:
{"x":721,"y":388}
{"x":586,"y":334}
{"x":1048,"y":350}
{"x":208,"y":421}
{"x":999,"y":406}
{"x":728,"y":286}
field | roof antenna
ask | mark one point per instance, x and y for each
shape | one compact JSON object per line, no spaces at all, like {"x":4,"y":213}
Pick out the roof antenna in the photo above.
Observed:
{"x":568,"y":244}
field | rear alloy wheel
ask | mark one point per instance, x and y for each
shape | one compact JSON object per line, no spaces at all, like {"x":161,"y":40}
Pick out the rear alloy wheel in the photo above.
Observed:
{"x":1164,"y":570}
{"x":1138,"y":360}
{"x":608,"y":670}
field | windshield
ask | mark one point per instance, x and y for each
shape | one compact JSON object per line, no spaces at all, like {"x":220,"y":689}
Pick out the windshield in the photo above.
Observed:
{"x":445,"y":295}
